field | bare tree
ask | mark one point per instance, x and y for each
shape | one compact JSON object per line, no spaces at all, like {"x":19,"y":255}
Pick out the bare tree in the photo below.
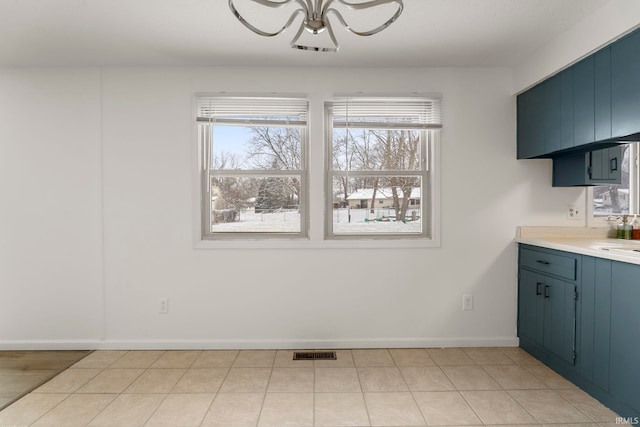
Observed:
{"x":277,"y":148}
{"x":400,"y":150}
{"x":223,"y":160}
{"x":343,"y":159}
{"x":230,"y":193}
{"x":275,"y":145}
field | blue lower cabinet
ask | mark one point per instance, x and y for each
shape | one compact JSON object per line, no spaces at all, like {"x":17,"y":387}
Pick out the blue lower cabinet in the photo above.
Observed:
{"x":624,"y":381}
{"x":595,"y":321}
{"x":547,"y":310}
{"x":531,"y":308}
{"x":559,"y":318}
{"x":583,"y":324}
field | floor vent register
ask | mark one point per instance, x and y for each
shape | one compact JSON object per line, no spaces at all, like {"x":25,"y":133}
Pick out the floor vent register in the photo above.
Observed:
{"x":314,"y":355}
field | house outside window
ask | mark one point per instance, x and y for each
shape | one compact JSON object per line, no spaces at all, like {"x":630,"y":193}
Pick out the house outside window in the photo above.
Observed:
{"x":608,"y":202}
{"x":381,"y":166}
{"x":252,"y":156}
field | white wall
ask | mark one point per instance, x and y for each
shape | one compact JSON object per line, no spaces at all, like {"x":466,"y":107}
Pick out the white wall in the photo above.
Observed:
{"x":97,"y":213}
{"x":605,"y":25}
{"x":50,"y":205}
{"x":98,"y":208}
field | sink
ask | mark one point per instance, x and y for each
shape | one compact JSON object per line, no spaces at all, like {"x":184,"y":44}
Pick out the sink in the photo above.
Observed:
{"x":628,"y":250}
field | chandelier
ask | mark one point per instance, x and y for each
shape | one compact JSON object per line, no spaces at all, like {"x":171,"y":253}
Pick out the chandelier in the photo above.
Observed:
{"x":315,"y":23}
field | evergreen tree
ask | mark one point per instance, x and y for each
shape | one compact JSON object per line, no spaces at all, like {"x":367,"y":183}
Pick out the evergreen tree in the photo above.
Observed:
{"x":273,"y":194}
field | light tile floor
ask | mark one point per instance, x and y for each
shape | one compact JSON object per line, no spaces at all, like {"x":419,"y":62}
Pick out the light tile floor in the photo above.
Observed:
{"x":396,"y":387}
{"x":23,"y":371}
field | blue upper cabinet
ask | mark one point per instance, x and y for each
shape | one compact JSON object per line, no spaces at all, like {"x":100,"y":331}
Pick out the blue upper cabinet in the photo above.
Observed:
{"x":602,"y":94}
{"x":567,"y":94}
{"x":584,"y":102}
{"x":545,"y":117}
{"x":625,"y":86}
{"x":591,"y":105}
{"x":550,"y":114}
{"x":596,"y":167}
{"x":530,"y":129}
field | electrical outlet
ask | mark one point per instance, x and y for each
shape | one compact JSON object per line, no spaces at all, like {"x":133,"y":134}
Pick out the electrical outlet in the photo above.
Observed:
{"x":573,"y":213}
{"x":467,"y":302}
{"x":164,"y":306}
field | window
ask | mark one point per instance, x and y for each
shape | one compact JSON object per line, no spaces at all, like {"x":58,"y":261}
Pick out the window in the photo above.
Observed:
{"x":253,"y":166}
{"x":380,"y":166}
{"x":623,"y":198}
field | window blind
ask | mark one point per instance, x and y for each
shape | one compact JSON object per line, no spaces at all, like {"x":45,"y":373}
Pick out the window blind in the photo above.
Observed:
{"x":386,"y":113}
{"x":253,"y":111}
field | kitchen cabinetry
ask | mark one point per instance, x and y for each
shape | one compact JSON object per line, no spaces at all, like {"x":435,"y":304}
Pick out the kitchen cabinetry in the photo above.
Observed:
{"x":598,"y":167}
{"x":624,"y":373}
{"x":579,"y":315}
{"x":566,"y":112}
{"x":547,"y":289}
{"x":625,"y":85}
{"x":591,"y":105}
{"x":602,"y":94}
{"x":605,"y":165}
{"x":583,"y":120}
{"x":545,"y":117}
{"x":595,"y":321}
{"x":530,"y":136}
{"x":551,"y":114}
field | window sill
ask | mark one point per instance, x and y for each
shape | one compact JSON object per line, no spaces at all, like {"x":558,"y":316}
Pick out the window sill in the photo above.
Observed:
{"x":304,"y":243}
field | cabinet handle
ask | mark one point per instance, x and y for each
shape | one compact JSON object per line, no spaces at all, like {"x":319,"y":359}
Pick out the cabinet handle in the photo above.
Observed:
{"x":543,"y":262}
{"x":546,"y":291}
{"x":613,"y":164}
{"x":538,"y":292}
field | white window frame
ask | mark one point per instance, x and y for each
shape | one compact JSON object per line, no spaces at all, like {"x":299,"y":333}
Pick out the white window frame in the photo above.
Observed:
{"x":607,"y":220}
{"x":221,"y":110}
{"x":428,"y":125}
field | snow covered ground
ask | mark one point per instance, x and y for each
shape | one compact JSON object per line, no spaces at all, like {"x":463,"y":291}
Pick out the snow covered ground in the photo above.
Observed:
{"x":286,"y":221}
{"x":345,"y":221}
{"x":349,"y":221}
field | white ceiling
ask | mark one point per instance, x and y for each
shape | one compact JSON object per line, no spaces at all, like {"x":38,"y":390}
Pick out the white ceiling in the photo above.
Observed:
{"x":204,"y":32}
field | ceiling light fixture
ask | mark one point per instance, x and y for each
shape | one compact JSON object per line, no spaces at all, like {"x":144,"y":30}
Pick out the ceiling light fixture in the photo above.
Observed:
{"x":315,"y":20}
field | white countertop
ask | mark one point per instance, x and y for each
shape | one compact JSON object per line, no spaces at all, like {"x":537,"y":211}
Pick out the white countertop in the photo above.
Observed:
{"x":580,"y":240}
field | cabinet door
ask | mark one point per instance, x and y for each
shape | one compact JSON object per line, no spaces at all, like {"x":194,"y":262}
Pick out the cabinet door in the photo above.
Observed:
{"x":566,"y":109}
{"x":530,"y":305}
{"x":552,"y":115}
{"x":625,"y":334}
{"x":602,"y":323}
{"x":614,"y":162}
{"x":523,"y":121}
{"x":583,"y":102}
{"x":597,"y":165}
{"x":530,"y":115}
{"x":602,"y":94}
{"x":595,"y":320}
{"x":559,"y":318}
{"x":605,"y":165}
{"x":625,"y":85}
{"x":592,"y":168}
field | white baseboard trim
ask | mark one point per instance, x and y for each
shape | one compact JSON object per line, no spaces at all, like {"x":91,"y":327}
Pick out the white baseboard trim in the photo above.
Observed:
{"x":8,"y":345}
{"x":257,"y":344}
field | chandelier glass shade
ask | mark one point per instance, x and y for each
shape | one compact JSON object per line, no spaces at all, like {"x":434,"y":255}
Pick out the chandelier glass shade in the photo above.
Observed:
{"x":315,"y":23}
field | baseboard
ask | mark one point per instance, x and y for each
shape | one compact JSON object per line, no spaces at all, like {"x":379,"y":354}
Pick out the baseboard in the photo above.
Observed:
{"x":8,"y":345}
{"x":257,"y":344}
